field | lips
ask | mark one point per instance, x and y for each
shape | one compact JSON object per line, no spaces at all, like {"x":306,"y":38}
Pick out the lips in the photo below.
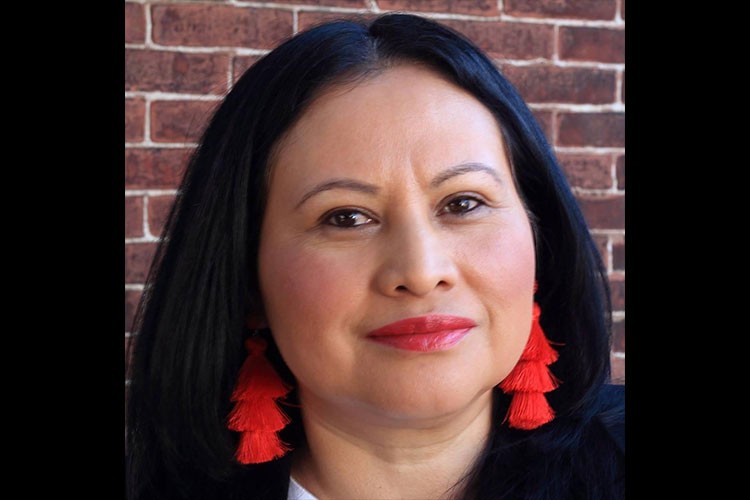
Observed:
{"x":436,"y":332}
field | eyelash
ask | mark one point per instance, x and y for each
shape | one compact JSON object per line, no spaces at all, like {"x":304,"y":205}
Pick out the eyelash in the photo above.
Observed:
{"x":463,"y":197}
{"x":328,"y":218}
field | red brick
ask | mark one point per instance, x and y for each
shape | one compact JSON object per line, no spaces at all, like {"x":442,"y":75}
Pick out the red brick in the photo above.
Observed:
{"x":603,"y":212}
{"x":135,"y":110}
{"x":475,"y":7}
{"x":135,"y":23}
{"x":618,"y":336}
{"x":133,"y":217}
{"x":308,"y":19}
{"x":158,"y":210}
{"x":180,"y":121}
{"x":354,"y":4}
{"x":618,"y":254}
{"x":576,"y":9}
{"x":592,"y":44}
{"x":138,"y":257}
{"x":200,"y":25}
{"x":508,"y":40}
{"x":240,"y":64}
{"x":546,"y":121}
{"x":618,"y":370}
{"x":587,"y":171}
{"x":621,"y":172}
{"x":153,"y":168}
{"x":617,"y":289}
{"x":147,"y":70}
{"x":591,"y":129}
{"x":601,"y":242}
{"x":564,"y":85}
{"x":131,"y":305}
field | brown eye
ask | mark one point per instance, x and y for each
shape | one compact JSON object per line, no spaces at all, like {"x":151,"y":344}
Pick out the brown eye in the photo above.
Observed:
{"x":462,"y":205}
{"x":347,"y":218}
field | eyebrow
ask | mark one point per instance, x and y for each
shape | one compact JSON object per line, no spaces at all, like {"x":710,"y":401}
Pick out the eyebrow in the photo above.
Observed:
{"x":352,"y":185}
{"x":339,"y":184}
{"x":465,"y":168}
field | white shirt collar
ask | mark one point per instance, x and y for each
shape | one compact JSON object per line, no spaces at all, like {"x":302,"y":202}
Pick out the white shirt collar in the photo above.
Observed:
{"x":297,"y":492}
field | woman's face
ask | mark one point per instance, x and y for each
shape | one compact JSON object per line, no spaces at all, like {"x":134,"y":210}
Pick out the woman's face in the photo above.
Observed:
{"x":392,"y":199}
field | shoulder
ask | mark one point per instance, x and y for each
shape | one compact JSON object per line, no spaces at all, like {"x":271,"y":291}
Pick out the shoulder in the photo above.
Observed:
{"x":579,"y":456}
{"x":597,"y":460}
{"x":610,"y":414}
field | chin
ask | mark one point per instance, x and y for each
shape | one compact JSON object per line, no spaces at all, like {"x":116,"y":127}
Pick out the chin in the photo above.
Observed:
{"x":433,"y":400}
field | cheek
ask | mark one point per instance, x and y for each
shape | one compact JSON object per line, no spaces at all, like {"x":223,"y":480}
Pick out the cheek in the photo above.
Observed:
{"x":508,"y":261}
{"x":306,"y":295}
{"x":501,"y":270}
{"x":295,"y":284}
{"x":501,"y":260}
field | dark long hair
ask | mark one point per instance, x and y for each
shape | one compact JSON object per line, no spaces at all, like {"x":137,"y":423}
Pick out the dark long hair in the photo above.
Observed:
{"x":203,"y":281}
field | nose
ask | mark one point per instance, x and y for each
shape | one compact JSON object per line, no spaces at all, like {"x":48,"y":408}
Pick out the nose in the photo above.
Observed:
{"x":417,"y":260}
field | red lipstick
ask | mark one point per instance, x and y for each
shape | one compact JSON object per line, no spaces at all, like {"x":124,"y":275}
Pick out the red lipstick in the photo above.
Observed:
{"x":434,"y":332}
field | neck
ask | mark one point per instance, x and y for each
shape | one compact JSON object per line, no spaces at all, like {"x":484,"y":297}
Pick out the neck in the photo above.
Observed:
{"x":351,"y":453}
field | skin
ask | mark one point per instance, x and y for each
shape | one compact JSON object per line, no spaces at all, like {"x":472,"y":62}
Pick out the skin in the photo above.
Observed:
{"x":393,"y":198}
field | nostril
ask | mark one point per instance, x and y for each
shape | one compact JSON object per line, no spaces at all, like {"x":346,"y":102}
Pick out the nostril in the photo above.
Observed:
{"x":401,"y":288}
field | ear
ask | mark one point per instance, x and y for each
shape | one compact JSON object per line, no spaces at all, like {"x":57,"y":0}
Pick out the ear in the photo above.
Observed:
{"x":256,"y":321}
{"x":256,"y":316}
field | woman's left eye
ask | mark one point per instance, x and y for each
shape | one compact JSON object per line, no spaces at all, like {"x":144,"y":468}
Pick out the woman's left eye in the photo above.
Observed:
{"x":461,"y":205}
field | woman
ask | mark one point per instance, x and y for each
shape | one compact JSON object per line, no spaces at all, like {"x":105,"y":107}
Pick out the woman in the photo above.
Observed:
{"x":375,"y":283}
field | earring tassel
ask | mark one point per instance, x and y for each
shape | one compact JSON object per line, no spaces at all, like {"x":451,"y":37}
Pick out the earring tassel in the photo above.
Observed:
{"x":256,"y":414}
{"x":530,"y":379}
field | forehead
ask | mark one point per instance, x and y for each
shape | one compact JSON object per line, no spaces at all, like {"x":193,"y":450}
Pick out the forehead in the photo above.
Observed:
{"x":406,"y":114}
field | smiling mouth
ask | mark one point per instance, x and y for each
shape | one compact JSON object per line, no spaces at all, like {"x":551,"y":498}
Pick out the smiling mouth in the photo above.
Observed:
{"x":436,"y":332}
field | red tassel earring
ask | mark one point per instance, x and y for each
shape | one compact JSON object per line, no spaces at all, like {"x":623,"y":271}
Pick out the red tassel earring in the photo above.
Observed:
{"x":256,"y":414}
{"x":530,"y":379}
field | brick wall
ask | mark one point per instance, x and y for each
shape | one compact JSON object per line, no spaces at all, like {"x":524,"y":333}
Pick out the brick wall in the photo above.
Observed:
{"x":566,"y":57}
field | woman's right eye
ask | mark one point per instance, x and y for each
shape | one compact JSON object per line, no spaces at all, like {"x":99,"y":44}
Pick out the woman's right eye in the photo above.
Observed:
{"x":347,"y":219}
